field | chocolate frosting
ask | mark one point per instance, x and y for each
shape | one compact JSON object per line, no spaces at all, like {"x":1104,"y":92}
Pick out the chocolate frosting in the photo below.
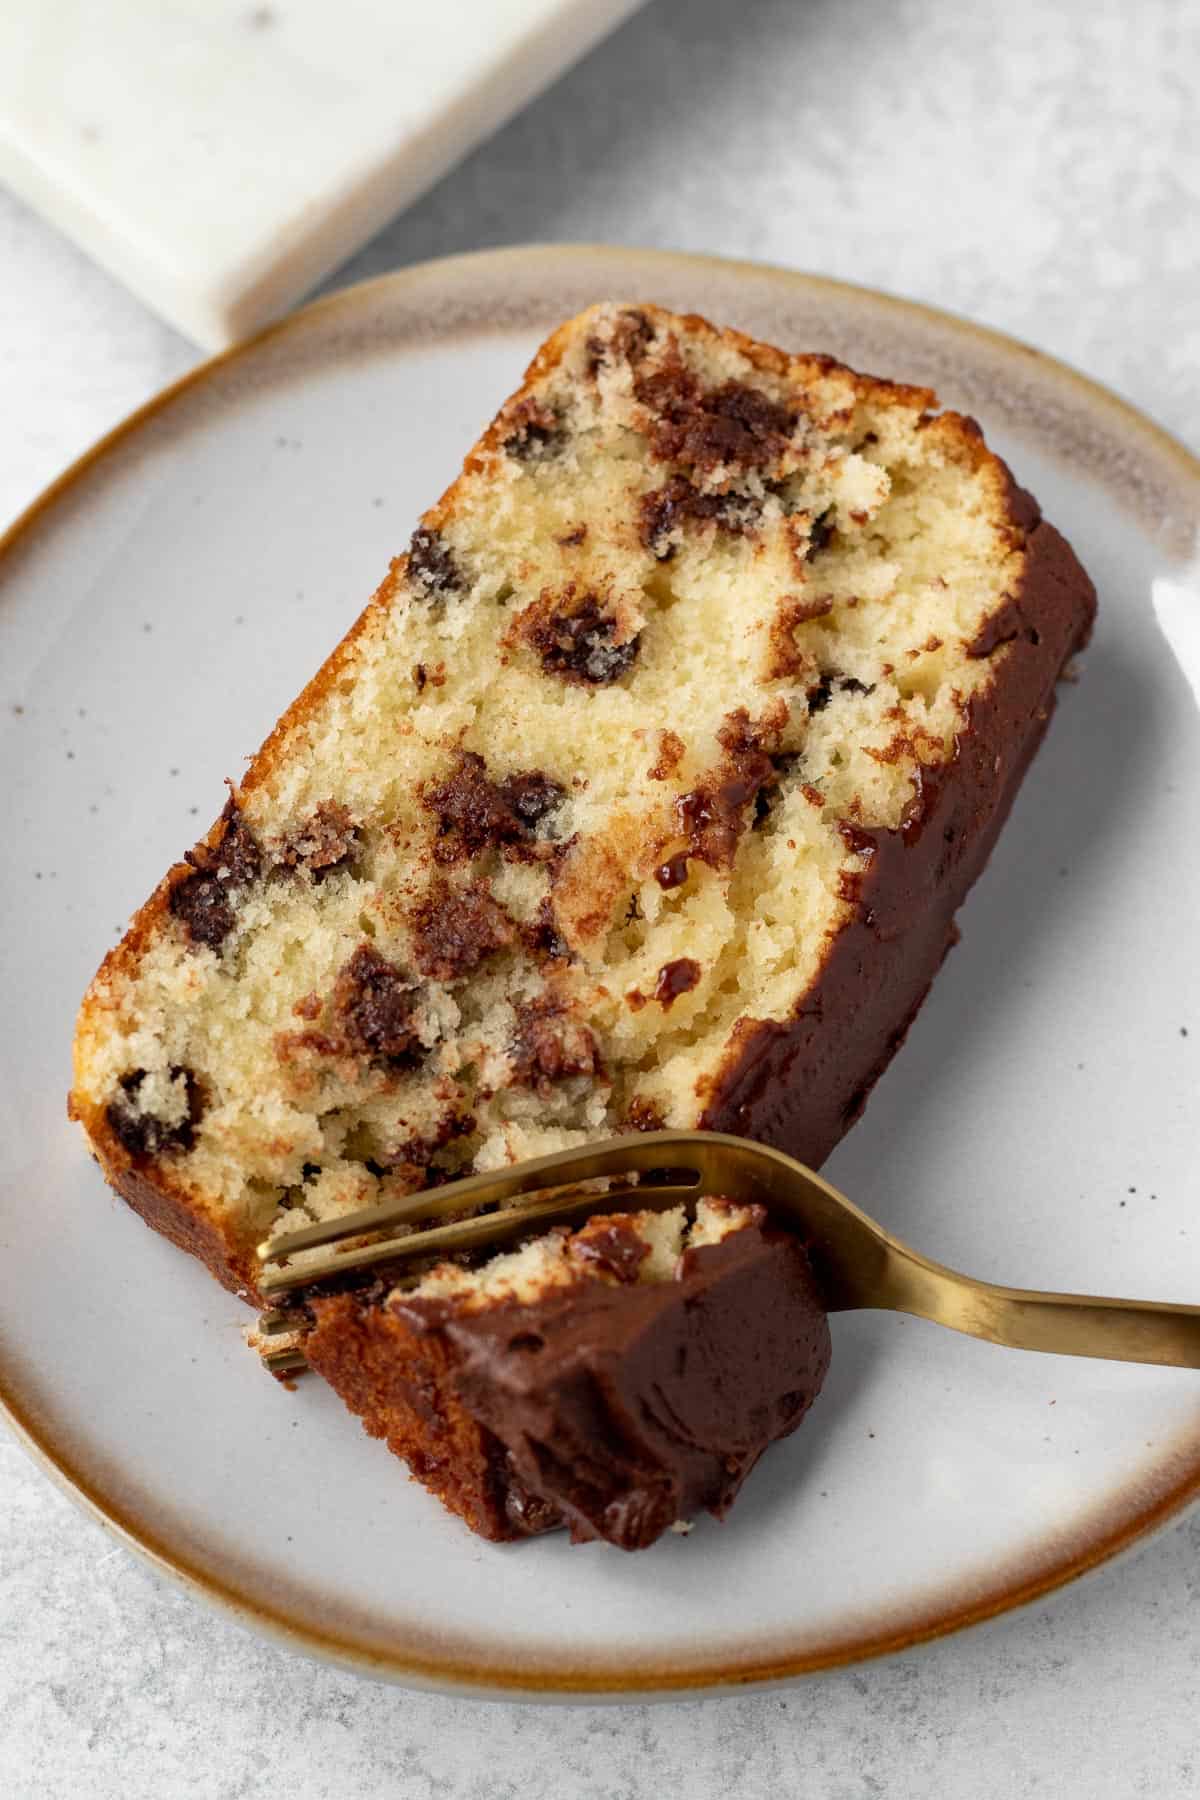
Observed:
{"x":623,"y":1408}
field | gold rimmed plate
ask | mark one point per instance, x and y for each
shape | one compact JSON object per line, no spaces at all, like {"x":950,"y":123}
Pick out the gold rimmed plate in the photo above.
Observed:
{"x":158,"y":608}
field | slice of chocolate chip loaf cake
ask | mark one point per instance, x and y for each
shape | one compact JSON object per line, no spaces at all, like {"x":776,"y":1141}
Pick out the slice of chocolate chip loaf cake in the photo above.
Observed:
{"x":617,"y":1379}
{"x":643,"y":791}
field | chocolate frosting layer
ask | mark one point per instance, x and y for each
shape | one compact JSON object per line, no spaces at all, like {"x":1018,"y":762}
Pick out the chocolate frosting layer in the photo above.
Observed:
{"x":624,"y":1408}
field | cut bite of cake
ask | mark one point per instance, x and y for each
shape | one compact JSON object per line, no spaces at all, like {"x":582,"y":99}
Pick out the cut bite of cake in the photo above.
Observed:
{"x":617,"y":1380}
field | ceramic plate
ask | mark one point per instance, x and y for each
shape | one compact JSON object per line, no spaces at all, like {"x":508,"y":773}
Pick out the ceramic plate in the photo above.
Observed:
{"x":159,"y":607}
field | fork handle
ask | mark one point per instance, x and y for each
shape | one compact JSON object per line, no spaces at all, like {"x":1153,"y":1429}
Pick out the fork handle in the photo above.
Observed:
{"x":1143,"y":1331}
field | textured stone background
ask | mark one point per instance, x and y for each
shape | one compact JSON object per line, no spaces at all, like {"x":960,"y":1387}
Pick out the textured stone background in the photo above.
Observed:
{"x":1037,"y":167}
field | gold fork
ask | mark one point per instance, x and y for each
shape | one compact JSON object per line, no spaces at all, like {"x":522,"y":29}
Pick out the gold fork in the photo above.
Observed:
{"x":858,"y":1263}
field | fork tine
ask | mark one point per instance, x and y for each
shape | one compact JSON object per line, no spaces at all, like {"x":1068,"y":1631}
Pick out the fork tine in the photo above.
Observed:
{"x":278,"y":1321}
{"x":410,"y":1209}
{"x":465,"y":1234}
{"x":618,"y":1174}
{"x":618,"y":1158}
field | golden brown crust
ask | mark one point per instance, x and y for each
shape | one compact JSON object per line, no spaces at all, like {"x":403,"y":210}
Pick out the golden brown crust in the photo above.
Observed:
{"x":172,"y":1210}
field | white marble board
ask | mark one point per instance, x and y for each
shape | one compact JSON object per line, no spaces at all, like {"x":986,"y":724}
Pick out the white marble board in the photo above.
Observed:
{"x":220,"y":156}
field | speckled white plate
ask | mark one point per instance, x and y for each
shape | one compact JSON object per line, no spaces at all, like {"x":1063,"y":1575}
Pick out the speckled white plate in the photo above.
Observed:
{"x":160,"y":605}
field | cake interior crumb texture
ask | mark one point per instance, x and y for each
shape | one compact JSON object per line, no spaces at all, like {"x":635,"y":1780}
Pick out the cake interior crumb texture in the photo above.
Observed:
{"x":582,"y":812}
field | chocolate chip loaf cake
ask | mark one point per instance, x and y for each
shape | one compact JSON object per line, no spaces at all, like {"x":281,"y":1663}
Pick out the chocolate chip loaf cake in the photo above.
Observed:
{"x":643,"y":793}
{"x":617,"y":1379}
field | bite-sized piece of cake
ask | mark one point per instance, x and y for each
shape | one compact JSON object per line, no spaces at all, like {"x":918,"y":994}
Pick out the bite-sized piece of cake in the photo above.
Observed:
{"x":617,"y":1379}
{"x":643,"y":792}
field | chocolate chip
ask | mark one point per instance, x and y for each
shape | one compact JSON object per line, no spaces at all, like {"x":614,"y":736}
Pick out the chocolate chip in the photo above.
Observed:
{"x":643,"y":1115}
{"x":674,"y":872}
{"x":675,"y":978}
{"x":532,"y":796}
{"x":631,"y":337}
{"x":784,"y":764}
{"x":579,"y":645}
{"x":327,"y":841}
{"x":455,"y":929}
{"x":374,"y":1001}
{"x":669,"y":507}
{"x":471,"y":812}
{"x":542,"y":936}
{"x":475,"y":813}
{"x":204,"y":900}
{"x":712,"y":816}
{"x":201,"y":903}
{"x":538,"y":433}
{"x":532,"y":440}
{"x":819,"y":533}
{"x":820,"y":695}
{"x":140,"y":1132}
{"x":431,"y":564}
{"x":237,"y":859}
{"x":549,"y":1045}
{"x":733,"y":425}
{"x":754,"y":412}
{"x":738,"y":732}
